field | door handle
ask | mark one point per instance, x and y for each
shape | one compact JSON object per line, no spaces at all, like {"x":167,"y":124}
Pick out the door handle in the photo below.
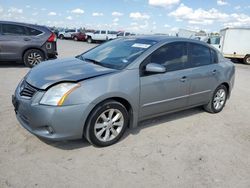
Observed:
{"x":183,"y":79}
{"x":214,"y":71}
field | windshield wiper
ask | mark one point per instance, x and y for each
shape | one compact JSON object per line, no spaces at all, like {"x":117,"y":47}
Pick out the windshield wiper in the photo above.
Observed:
{"x":92,"y":61}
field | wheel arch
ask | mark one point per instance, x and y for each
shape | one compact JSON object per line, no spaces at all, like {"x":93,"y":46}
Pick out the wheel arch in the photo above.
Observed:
{"x":121,"y":100}
{"x":228,"y":88}
{"x":34,"y":48}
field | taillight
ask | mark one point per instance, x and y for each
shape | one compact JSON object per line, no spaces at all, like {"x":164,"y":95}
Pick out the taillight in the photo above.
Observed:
{"x":52,"y":38}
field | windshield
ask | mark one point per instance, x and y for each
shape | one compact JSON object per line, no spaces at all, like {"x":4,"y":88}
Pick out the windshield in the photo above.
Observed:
{"x":119,"y":53}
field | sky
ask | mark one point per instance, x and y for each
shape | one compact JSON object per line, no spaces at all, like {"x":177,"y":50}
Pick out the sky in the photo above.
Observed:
{"x":139,"y":16}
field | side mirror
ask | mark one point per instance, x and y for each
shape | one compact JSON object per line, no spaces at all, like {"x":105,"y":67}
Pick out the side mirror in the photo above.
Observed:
{"x":155,"y":68}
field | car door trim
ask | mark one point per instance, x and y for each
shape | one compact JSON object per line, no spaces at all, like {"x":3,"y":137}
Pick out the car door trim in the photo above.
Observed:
{"x":175,"y":98}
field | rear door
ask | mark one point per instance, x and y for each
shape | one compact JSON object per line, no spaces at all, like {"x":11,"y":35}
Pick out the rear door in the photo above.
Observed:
{"x":165,"y":92}
{"x":13,"y":38}
{"x":205,"y":73}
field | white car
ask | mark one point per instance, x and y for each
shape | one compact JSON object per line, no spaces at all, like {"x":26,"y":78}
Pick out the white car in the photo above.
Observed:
{"x":125,"y":34}
{"x":101,"y":35}
{"x":66,"y":34}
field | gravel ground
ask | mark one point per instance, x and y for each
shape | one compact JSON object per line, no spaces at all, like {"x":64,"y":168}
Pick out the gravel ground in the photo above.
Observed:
{"x":191,"y":148}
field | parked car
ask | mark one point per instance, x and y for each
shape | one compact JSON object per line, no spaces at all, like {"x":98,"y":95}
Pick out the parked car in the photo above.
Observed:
{"x":66,"y":34}
{"x":124,"y":34}
{"x":81,"y":36}
{"x":101,"y":35}
{"x":101,"y":92}
{"x":27,"y":43}
{"x":234,"y":43}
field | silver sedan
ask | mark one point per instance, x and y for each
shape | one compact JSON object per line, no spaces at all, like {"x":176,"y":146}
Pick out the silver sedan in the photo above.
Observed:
{"x":100,"y":93}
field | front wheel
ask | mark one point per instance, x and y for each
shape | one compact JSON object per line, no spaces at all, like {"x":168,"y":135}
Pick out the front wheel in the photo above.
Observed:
{"x":106,"y":124}
{"x":246,"y":59}
{"x":218,"y":100}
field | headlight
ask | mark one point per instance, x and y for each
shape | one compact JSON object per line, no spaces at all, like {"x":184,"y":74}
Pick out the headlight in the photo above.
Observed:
{"x":56,"y":95}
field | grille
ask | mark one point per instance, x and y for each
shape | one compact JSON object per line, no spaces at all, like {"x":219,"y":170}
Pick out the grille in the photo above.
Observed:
{"x":27,"y":90}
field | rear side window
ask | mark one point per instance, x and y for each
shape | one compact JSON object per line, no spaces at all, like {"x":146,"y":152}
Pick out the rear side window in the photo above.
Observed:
{"x":33,"y":32}
{"x":10,"y":29}
{"x":173,"y":56}
{"x":103,"y":32}
{"x":200,"y":55}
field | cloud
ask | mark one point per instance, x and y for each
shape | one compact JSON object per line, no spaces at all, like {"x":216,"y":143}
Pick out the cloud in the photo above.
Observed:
{"x":198,"y":16}
{"x":222,"y":2}
{"x":1,"y":9}
{"x":27,"y":6}
{"x":117,"y":14}
{"x":77,"y":11}
{"x":166,"y":25}
{"x":116,"y":20}
{"x":163,"y":3}
{"x":52,"y":14}
{"x":208,"y":17}
{"x":69,"y":18}
{"x":15,"y":10}
{"x":97,"y":14}
{"x":139,"y":16}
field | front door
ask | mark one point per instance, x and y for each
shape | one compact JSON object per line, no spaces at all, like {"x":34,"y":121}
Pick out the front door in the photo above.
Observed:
{"x":165,"y":92}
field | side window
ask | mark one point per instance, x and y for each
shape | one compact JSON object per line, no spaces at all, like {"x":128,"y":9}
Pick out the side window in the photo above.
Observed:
{"x":173,"y":56}
{"x":97,"y":32}
{"x":127,"y":34}
{"x":33,"y":32}
{"x":214,"y":56}
{"x":103,"y":32}
{"x":9,"y":29}
{"x":120,"y":34}
{"x":200,"y":55}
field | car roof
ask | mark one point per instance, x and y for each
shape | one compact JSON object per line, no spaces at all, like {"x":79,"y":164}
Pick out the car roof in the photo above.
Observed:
{"x":165,"y":39}
{"x":43,"y":28}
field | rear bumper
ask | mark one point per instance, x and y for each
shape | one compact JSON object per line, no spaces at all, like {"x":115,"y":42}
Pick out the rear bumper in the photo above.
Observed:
{"x":50,"y":50}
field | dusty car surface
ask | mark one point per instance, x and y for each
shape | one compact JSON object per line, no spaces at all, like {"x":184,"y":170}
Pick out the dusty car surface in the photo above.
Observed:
{"x":101,"y":92}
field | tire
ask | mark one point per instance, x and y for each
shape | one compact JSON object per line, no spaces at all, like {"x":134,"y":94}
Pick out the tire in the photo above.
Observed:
{"x":89,"y":40}
{"x":33,"y":57}
{"x":218,"y":101}
{"x":61,"y":37}
{"x":106,"y":124}
{"x":246,"y":60}
{"x":75,"y":39}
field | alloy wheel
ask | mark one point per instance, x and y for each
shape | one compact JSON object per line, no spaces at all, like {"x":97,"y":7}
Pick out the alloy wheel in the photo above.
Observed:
{"x":109,"y":125}
{"x":34,"y":58}
{"x":219,"y":99}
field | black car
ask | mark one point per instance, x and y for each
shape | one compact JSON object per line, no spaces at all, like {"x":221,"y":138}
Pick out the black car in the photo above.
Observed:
{"x":27,"y":43}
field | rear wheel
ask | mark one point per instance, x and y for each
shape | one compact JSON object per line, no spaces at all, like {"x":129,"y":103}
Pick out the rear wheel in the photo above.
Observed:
{"x":33,"y":57}
{"x":106,"y":124}
{"x":246,"y":59}
{"x":89,"y":40}
{"x":218,"y":100}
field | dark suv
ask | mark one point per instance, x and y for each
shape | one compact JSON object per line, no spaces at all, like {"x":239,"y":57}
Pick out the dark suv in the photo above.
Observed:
{"x":28,"y":43}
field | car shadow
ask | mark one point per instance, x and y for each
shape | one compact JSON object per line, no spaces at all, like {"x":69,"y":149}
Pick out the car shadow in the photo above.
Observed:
{"x":162,"y":119}
{"x":67,"y":145}
{"x":12,"y":64}
{"x":76,"y":144}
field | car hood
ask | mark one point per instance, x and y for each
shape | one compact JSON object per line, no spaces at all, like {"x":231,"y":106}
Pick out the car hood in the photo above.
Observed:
{"x":68,"y":70}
